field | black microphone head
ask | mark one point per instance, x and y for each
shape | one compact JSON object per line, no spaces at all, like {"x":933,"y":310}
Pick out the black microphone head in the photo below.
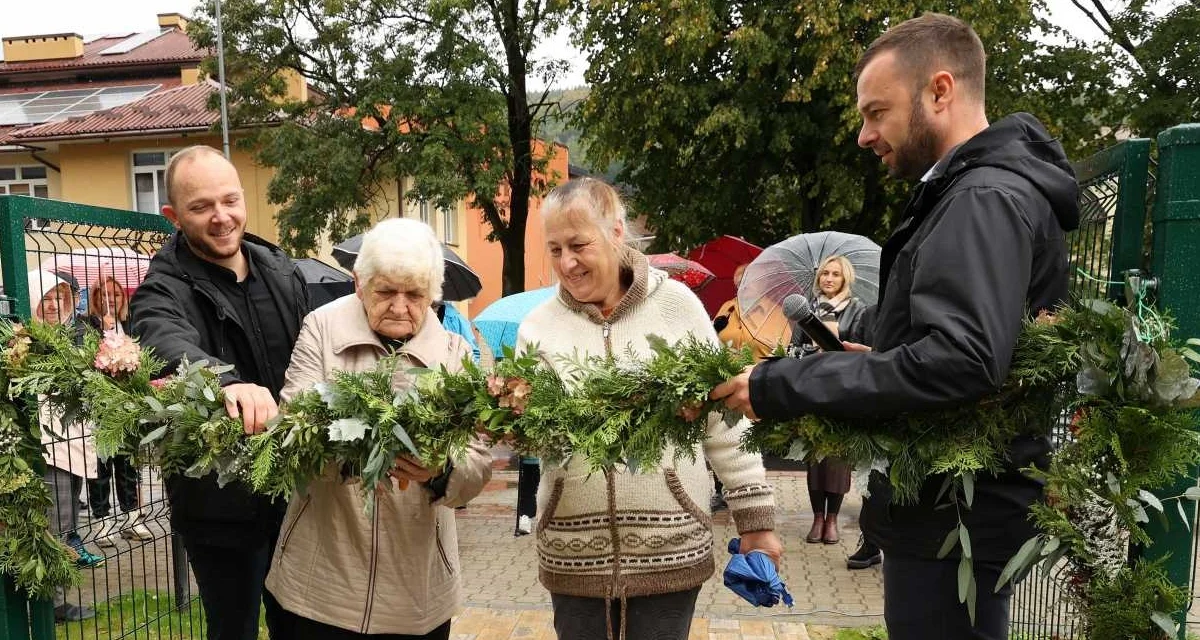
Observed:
{"x":796,"y":307}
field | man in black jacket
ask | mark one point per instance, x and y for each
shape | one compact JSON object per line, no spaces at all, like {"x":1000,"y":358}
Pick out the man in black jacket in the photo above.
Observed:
{"x":217,"y":294}
{"x":981,"y":245}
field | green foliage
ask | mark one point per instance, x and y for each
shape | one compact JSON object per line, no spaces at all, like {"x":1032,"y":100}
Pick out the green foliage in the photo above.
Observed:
{"x":435,"y":91}
{"x":1130,"y":604}
{"x":1150,"y":52}
{"x":737,"y":117}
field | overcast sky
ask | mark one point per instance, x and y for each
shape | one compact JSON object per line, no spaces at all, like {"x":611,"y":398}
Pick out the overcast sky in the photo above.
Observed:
{"x":88,"y":17}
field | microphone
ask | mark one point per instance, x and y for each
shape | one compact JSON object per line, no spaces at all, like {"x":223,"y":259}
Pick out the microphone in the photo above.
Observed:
{"x":798,"y":310}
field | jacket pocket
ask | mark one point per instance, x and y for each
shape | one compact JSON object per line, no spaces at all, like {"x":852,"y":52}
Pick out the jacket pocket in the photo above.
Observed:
{"x":437,"y":536}
{"x":675,"y":486}
{"x":551,"y":505}
{"x":291,"y":527}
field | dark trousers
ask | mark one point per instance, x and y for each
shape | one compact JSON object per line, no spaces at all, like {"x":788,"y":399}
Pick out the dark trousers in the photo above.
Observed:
{"x":121,"y":470}
{"x":231,"y":588}
{"x":662,"y":617}
{"x":920,"y":601}
{"x":296,"y":627}
{"x":529,"y":475}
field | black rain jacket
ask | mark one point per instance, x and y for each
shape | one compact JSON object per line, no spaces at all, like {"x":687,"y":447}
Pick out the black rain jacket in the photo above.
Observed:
{"x":981,"y":246}
{"x":180,"y":312}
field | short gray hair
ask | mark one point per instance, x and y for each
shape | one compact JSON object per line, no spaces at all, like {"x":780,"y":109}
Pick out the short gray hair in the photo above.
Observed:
{"x":590,"y":196}
{"x":403,"y":249}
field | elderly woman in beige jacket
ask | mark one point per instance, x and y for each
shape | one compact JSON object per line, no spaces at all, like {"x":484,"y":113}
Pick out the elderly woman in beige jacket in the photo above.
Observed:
{"x":337,"y":572}
{"x":624,"y":554}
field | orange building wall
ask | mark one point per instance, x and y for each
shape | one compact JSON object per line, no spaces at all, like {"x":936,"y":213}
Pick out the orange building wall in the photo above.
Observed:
{"x":487,"y":258}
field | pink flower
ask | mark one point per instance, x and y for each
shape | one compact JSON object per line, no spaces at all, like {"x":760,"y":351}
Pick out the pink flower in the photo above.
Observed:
{"x":518,"y":391}
{"x":160,"y":382}
{"x":496,"y":385}
{"x":118,"y":354}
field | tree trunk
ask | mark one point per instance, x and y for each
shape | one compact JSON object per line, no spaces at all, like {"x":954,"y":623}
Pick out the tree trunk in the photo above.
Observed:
{"x":520,"y":136}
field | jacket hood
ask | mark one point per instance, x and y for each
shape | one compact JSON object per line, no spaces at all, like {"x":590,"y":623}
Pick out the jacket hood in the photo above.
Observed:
{"x":1020,"y":144}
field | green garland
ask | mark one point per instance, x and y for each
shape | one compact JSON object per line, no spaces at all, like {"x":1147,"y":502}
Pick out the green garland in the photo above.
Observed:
{"x":1131,"y":435}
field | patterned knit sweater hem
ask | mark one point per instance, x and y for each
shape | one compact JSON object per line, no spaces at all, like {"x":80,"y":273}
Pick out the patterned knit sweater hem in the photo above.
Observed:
{"x":631,"y":585}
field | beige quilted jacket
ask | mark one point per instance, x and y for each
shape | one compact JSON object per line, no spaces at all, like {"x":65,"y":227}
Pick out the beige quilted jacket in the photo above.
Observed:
{"x":396,"y":572}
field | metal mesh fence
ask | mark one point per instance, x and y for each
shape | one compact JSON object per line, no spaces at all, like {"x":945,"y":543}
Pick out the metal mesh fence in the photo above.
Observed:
{"x":1115,"y":189}
{"x":135,"y":580}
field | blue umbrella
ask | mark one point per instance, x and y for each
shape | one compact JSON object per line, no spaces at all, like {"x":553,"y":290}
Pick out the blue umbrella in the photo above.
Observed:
{"x":753,"y":577}
{"x":498,"y":323}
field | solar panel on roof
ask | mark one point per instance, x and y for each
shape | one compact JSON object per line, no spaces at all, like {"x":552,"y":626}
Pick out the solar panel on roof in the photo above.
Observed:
{"x":131,"y":43}
{"x":48,"y":106}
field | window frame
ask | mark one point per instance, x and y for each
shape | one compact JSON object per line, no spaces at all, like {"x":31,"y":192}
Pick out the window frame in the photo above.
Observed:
{"x":134,"y":170}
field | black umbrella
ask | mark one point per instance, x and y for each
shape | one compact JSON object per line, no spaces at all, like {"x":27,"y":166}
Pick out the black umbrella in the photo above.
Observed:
{"x":325,"y":283}
{"x":459,"y":283}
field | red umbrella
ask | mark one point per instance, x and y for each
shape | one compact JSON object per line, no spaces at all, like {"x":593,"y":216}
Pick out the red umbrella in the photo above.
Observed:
{"x":689,"y":272}
{"x":722,"y":256}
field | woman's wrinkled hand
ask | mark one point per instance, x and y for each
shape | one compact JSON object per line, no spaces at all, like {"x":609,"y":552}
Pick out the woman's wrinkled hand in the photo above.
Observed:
{"x":409,"y":469}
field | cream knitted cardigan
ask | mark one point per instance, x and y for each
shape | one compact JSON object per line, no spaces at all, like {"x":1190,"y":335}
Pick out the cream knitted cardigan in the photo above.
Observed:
{"x":623,"y":534}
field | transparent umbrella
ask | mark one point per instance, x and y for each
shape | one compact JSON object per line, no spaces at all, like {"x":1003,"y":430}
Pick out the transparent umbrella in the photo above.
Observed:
{"x":790,"y":267}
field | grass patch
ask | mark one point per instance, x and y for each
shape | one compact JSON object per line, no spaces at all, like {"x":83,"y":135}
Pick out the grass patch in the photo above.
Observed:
{"x":862,"y":633}
{"x":143,"y":614}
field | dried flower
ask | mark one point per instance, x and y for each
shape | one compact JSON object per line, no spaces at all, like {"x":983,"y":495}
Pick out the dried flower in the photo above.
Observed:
{"x":690,"y":411}
{"x":18,"y":345}
{"x":496,"y":385}
{"x":1046,"y":317}
{"x":118,"y":354}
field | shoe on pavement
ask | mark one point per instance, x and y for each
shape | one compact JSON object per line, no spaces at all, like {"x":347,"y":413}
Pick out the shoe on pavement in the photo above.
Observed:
{"x":67,"y":612}
{"x":867,"y":555}
{"x":524,"y":526}
{"x":87,"y":559}
{"x":106,"y":536}
{"x":136,"y":529}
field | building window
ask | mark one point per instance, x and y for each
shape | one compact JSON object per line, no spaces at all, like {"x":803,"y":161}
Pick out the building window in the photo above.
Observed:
{"x":450,"y":225}
{"x":150,"y":180}
{"x":24,"y":181}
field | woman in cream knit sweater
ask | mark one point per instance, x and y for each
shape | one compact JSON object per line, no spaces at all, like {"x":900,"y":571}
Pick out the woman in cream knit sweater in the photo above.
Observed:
{"x":624,"y":554}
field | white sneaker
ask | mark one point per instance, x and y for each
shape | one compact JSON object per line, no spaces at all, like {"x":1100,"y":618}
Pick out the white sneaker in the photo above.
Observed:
{"x":106,"y":536}
{"x":525,"y":524}
{"x":136,"y":529}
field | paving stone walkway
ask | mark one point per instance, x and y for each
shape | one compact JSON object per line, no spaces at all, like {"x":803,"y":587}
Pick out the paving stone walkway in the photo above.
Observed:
{"x":504,"y":599}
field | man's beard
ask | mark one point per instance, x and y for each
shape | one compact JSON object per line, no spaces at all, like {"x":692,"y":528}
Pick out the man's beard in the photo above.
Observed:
{"x":210,"y":252}
{"x":919,"y":152}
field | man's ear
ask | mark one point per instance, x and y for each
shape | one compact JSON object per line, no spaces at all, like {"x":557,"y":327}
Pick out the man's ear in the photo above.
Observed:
{"x":943,"y":86}
{"x":169,"y":213}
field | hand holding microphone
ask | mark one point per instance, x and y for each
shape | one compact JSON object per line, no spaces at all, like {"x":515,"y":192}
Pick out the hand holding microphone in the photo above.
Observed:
{"x":797,"y":309}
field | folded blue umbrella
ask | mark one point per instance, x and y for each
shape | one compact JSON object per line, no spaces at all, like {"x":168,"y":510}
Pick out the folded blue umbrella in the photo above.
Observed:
{"x":753,"y":577}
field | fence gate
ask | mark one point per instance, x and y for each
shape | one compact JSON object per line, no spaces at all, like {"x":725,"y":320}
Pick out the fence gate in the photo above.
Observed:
{"x":135,"y":575}
{"x":1117,"y":187}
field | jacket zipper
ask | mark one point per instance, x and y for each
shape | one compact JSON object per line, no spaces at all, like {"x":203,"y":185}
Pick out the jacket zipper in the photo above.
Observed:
{"x":437,"y":535}
{"x":371,"y":573}
{"x":606,"y":330}
{"x":287,"y":535}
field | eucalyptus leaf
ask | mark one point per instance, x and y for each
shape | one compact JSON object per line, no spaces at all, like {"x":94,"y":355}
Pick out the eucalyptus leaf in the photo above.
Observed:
{"x":968,"y":480}
{"x":1192,"y":493}
{"x":402,"y":436}
{"x":1114,"y":485}
{"x":1019,"y":561}
{"x":964,"y":577}
{"x":154,"y":435}
{"x":1163,"y":621}
{"x":1187,"y":523}
{"x":949,"y":543}
{"x":1139,"y":512}
{"x":209,"y":395}
{"x":1150,"y":499}
{"x":964,"y":538}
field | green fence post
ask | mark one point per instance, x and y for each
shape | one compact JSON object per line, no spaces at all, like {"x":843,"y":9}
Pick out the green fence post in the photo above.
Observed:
{"x":1176,"y":261}
{"x":12,"y":256}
